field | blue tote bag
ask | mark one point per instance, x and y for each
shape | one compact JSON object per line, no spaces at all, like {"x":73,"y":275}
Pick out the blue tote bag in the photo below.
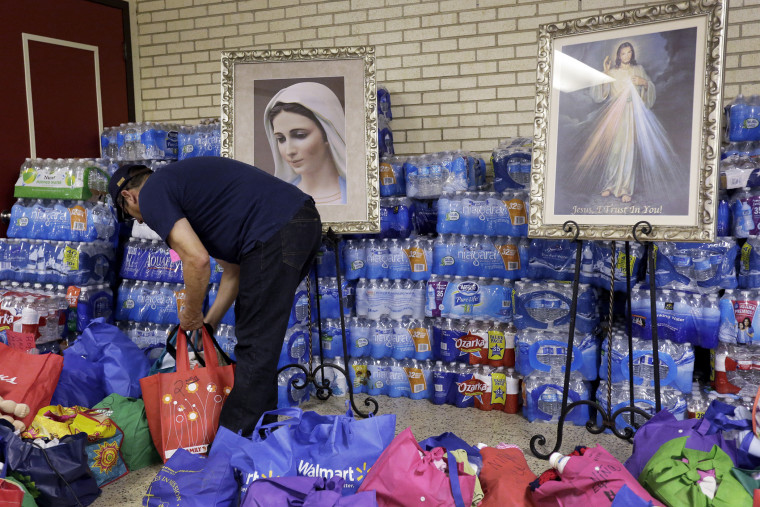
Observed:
{"x":124,"y":364}
{"x":80,"y":383}
{"x":192,"y":480}
{"x":309,"y":444}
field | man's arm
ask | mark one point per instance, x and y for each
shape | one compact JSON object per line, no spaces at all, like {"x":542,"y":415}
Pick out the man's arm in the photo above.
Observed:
{"x":228,"y":290}
{"x":196,"y":269}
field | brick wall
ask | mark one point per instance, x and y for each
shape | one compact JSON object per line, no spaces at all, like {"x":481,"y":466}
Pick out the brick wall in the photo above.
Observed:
{"x":461,"y":72}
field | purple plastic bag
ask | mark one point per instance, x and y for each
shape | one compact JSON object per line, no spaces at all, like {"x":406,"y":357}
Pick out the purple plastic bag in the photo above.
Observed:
{"x":663,"y":427}
{"x":306,"y":491}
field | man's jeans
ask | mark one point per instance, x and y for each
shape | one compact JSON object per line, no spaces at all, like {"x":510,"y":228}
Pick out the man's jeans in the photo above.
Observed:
{"x":269,"y":277}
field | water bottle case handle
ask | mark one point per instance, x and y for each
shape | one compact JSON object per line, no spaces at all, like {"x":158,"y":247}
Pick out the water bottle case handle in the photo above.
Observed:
{"x":572,"y":397}
{"x":664,"y":358}
{"x":524,"y":300}
{"x":538,"y":365}
{"x":665,"y":272}
{"x":627,"y":404}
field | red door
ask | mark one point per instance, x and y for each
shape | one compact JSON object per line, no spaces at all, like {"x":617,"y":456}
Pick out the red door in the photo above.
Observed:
{"x":66,"y":74}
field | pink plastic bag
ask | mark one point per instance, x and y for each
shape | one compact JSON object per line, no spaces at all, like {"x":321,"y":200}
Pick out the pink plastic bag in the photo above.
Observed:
{"x":404,"y":475}
{"x":591,"y":479}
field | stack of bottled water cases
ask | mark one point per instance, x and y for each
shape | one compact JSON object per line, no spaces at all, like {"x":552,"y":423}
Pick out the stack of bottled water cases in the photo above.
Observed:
{"x":62,"y":178}
{"x":150,"y":260}
{"x":395,"y":358}
{"x":546,"y":305}
{"x":737,"y":357}
{"x":456,"y":384}
{"x":743,"y":119}
{"x":55,"y":236}
{"x":63,"y":220}
{"x":431,"y":175}
{"x":555,"y":260}
{"x":410,"y":258}
{"x":745,"y":212}
{"x":487,"y":213}
{"x":392,"y":179}
{"x":151,"y":294}
{"x":203,"y":140}
{"x":146,"y":335}
{"x":396,"y":217}
{"x":682,"y":317}
{"x":542,"y":319}
{"x":643,"y":398}
{"x":155,"y":302}
{"x":132,"y":142}
{"x":32,"y":316}
{"x":703,"y":268}
{"x":57,"y":262}
{"x":512,"y":163}
{"x":384,"y":116}
{"x":469,"y":298}
{"x":676,"y":372}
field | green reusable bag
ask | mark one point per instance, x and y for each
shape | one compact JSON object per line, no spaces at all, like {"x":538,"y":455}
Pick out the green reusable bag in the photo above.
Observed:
{"x":129,"y":414}
{"x":675,"y":482}
{"x":746,"y":477}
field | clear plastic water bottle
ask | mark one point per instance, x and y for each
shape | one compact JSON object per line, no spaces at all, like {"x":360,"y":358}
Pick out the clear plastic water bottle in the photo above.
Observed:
{"x":696,"y":403}
{"x":362,"y":302}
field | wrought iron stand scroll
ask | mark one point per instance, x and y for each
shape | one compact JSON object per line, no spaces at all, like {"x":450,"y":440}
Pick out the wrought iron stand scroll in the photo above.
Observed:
{"x":607,"y":416}
{"x":324,"y":390}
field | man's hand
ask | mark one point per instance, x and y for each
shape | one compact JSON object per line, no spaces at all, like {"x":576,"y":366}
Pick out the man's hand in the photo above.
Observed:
{"x":607,"y":63}
{"x":640,"y":81}
{"x":190,"y":321}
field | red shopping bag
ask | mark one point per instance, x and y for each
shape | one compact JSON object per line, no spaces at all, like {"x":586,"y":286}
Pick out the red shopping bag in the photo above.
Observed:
{"x":183,"y":407}
{"x":505,"y":478}
{"x":28,"y":378}
{"x":10,"y":494}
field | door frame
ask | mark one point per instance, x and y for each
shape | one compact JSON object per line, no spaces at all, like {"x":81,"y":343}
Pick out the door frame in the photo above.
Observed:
{"x":126,"y":28}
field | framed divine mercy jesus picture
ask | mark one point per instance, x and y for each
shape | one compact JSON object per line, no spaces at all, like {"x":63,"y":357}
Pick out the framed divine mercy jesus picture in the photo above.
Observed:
{"x":308,"y":116}
{"x":627,"y":125}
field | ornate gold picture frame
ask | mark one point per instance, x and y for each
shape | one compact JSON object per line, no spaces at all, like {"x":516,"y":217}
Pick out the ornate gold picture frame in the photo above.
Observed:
{"x":627,"y":127}
{"x":327,"y":146}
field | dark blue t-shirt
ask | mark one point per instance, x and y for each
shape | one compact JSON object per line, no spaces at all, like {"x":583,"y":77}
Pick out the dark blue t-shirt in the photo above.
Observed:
{"x":230,"y":205}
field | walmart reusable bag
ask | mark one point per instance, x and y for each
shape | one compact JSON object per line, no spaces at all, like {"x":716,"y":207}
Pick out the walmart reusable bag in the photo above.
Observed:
{"x":311,"y":445}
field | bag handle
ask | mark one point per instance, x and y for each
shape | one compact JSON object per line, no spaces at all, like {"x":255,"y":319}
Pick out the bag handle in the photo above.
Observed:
{"x":456,"y":490}
{"x":294,"y":413}
{"x":209,"y":348}
{"x":173,"y":352}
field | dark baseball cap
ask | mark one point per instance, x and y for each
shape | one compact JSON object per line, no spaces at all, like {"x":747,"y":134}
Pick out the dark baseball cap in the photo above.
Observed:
{"x":119,"y":180}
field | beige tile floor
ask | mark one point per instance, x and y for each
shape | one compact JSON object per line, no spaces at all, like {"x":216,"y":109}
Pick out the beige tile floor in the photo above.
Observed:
{"x":426,"y":420}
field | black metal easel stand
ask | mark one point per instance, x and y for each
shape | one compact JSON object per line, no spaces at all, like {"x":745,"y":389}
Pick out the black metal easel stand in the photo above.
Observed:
{"x":608,"y":419}
{"x":324,"y":390}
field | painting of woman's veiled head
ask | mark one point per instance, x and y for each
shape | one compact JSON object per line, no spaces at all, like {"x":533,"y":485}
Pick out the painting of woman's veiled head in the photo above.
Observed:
{"x":305,"y":143}
{"x":308,"y":117}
